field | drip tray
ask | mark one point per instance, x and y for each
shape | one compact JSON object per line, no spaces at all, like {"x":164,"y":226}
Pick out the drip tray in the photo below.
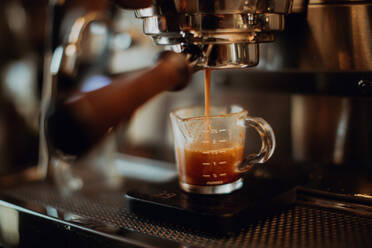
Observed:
{"x":103,"y":215}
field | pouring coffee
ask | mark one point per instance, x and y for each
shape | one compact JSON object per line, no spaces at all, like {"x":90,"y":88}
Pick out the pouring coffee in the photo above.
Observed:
{"x":210,"y":157}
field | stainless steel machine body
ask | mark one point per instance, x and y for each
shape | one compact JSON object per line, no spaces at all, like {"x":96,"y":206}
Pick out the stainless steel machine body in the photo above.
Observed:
{"x":217,"y":34}
{"x":334,"y":35}
{"x":328,"y":36}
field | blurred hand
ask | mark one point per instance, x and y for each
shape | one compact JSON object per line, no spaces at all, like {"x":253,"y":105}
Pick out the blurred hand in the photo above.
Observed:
{"x":76,"y":123}
{"x":79,"y":122}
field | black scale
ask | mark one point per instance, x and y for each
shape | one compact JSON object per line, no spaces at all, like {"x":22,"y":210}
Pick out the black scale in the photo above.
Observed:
{"x":257,"y":199}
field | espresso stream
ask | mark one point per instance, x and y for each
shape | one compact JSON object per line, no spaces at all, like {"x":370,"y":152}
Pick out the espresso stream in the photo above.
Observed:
{"x":205,"y":163}
{"x":207,"y":89}
{"x":207,"y":108}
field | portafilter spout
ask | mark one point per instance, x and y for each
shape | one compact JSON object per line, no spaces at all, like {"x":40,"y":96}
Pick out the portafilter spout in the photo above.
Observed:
{"x":215,"y":34}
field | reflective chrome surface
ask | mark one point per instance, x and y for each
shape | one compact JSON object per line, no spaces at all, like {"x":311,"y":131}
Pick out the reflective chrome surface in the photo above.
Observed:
{"x":320,"y":35}
{"x":65,"y":58}
{"x":320,"y":116}
{"x":224,"y":56}
{"x":226,"y":33}
{"x":330,"y":37}
{"x":230,"y":6}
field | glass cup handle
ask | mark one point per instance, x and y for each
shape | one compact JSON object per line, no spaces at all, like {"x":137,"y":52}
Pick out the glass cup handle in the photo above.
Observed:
{"x":267,"y":146}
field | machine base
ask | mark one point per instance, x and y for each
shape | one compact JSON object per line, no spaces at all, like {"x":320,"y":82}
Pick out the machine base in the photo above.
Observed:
{"x":258,"y":198}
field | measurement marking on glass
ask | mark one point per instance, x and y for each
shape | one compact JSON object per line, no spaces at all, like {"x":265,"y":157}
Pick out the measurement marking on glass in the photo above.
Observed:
{"x":223,"y":174}
{"x":214,"y":163}
{"x":206,"y":163}
{"x":222,"y":162}
{"x":214,"y":182}
{"x":222,"y":141}
{"x":214,"y":175}
{"x":206,"y":175}
{"x":214,"y":152}
{"x":222,"y":130}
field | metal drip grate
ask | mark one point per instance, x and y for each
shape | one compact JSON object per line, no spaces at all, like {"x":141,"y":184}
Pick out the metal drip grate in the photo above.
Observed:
{"x":299,"y":226}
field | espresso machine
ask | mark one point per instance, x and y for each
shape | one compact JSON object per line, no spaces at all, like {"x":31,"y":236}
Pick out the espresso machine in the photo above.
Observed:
{"x":313,"y":58}
{"x":303,"y":65}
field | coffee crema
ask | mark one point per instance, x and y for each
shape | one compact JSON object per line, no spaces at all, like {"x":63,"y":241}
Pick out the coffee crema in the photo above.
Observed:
{"x":200,"y":166}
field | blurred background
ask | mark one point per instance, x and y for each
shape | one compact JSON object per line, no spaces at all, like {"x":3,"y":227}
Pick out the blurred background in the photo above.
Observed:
{"x":313,"y":85}
{"x":22,"y":47}
{"x":317,"y":103}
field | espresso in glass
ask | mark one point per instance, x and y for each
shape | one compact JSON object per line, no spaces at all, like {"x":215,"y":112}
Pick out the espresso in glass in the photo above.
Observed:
{"x":210,"y":161}
{"x":205,"y":166}
{"x":210,"y":149}
{"x":219,"y":160}
{"x":209,"y":144}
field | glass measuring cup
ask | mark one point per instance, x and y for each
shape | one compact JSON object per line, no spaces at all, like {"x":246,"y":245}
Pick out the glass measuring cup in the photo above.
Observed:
{"x":210,"y":150}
